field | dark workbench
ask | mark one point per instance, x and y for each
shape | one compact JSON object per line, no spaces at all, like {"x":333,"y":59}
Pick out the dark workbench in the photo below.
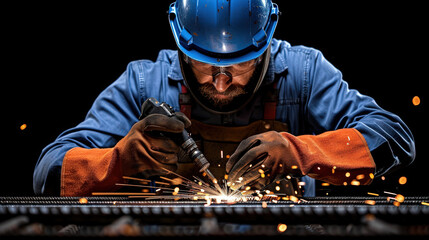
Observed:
{"x":121,"y":216}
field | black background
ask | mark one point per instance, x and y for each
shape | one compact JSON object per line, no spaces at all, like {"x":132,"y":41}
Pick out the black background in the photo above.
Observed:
{"x":57,"y":58}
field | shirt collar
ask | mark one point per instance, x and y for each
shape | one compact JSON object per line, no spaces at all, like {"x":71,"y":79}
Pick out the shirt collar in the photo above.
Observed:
{"x":175,"y":73}
{"x":278,"y":56}
{"x":278,"y":63}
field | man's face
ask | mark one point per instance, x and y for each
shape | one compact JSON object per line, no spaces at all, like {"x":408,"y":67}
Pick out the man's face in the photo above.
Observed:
{"x":220,"y":85}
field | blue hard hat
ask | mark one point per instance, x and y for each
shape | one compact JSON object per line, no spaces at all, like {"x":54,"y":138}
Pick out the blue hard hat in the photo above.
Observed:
{"x":223,"y":32}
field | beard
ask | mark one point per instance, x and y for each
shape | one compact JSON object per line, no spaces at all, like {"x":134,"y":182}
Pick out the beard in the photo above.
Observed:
{"x":221,"y":99}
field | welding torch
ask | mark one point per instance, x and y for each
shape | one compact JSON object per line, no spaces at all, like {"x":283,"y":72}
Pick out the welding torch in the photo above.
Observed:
{"x":184,"y":140}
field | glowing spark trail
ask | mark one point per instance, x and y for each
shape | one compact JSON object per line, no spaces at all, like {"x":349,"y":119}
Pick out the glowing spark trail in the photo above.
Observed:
{"x":173,"y":186}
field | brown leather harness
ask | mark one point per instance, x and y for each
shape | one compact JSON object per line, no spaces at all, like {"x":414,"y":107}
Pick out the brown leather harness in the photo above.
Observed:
{"x":218,"y":143}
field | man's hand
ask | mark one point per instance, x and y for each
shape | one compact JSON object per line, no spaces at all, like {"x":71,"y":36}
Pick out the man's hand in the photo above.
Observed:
{"x":260,"y":159}
{"x":147,"y":147}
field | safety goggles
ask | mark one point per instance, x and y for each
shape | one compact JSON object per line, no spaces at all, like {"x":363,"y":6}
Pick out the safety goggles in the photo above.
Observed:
{"x":231,"y":70}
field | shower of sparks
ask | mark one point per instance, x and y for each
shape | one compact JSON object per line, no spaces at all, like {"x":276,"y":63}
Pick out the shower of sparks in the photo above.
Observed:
{"x":176,"y":187}
{"x":173,"y":186}
{"x":210,"y":190}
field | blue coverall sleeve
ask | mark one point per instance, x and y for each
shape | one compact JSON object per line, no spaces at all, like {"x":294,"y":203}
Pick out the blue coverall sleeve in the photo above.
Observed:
{"x":331,"y":105}
{"x":113,"y":113}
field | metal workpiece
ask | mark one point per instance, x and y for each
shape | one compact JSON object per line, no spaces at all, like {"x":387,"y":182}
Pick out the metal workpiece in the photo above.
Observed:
{"x":121,"y":216}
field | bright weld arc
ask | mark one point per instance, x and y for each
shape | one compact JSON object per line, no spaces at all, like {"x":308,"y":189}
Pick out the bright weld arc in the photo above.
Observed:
{"x":195,"y":191}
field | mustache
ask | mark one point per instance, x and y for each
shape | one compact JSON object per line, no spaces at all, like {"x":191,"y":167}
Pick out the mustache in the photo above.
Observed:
{"x":209,"y":91}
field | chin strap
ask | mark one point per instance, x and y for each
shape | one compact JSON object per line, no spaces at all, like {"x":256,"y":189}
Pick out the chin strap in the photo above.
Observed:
{"x":185,"y":101}
{"x":270,"y":102}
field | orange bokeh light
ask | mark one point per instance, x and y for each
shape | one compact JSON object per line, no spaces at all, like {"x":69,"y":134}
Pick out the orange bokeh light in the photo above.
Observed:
{"x":416,"y":101}
{"x":402,"y":180}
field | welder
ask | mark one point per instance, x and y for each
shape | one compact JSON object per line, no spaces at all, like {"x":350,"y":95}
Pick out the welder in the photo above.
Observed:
{"x":260,"y":109}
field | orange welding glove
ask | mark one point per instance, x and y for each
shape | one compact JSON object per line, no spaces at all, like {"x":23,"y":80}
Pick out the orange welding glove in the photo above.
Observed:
{"x":338,"y":157}
{"x":145,"y":149}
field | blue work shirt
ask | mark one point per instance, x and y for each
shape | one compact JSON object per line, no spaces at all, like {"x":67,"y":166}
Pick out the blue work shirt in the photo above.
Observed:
{"x":313,"y":98}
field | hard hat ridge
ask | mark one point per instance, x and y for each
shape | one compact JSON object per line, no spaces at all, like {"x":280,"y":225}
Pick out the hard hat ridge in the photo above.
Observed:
{"x":223,"y":32}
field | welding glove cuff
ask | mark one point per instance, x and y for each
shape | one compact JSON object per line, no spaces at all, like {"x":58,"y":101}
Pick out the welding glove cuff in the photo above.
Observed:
{"x":337,"y":157}
{"x":147,"y":148}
